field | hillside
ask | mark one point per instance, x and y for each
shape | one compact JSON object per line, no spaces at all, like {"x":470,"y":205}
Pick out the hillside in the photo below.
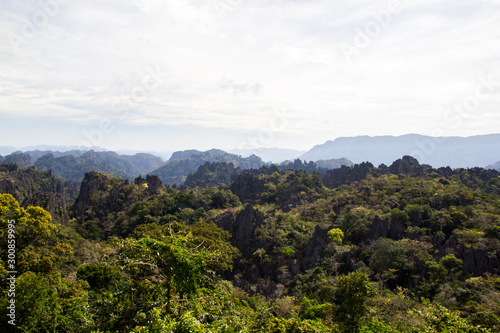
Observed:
{"x":456,"y":152}
{"x":273,"y":155}
{"x":36,"y":154}
{"x":222,"y":173}
{"x":182,"y":163}
{"x":398,"y":248}
{"x":33,"y":187}
{"x":22,"y":160}
{"x":72,"y":165}
{"x":74,"y":168}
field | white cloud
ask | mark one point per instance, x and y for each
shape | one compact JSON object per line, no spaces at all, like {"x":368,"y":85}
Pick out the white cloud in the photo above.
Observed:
{"x":91,"y":55}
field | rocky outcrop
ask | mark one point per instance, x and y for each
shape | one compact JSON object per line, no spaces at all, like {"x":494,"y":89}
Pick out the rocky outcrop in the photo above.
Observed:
{"x":379,"y":228}
{"x":31,"y":187}
{"x":247,"y":186}
{"x":397,"y":229}
{"x":345,"y":174}
{"x":213,"y":174}
{"x":154,"y":184}
{"x":92,"y":182}
{"x":407,"y":165}
{"x":477,"y":261}
{"x":241,"y":226}
{"x":314,"y":248}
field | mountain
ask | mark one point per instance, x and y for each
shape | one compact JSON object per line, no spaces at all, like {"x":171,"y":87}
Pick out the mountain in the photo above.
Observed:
{"x":182,"y":163}
{"x":494,"y":166}
{"x":73,"y":164}
{"x":33,"y":187}
{"x":22,"y":160}
{"x":164,"y":154}
{"x":36,"y":154}
{"x":221,"y":174}
{"x":333,"y":163}
{"x":74,"y":167}
{"x":403,"y":248}
{"x":456,"y":152}
{"x":274,"y":155}
{"x":212,"y":174}
{"x":144,"y":162}
{"x":5,"y":150}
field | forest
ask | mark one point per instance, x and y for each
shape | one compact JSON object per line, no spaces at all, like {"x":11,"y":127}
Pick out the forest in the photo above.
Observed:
{"x":293,"y":248}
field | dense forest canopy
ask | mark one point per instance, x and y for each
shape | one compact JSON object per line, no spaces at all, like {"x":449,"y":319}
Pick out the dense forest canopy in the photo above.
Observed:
{"x":299,"y":247}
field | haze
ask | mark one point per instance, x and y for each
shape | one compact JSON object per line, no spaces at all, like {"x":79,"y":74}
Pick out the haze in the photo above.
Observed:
{"x":170,"y":75}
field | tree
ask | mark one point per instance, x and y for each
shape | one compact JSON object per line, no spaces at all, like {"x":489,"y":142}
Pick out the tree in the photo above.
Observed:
{"x":336,"y":235}
{"x":169,"y":262}
{"x":31,"y":225}
{"x":177,"y":257}
{"x":351,"y":294}
{"x":48,"y":303}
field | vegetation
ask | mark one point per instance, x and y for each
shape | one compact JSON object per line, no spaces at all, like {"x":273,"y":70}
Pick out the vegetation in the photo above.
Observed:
{"x":400,"y":248}
{"x":181,"y":164}
{"x":72,"y":167}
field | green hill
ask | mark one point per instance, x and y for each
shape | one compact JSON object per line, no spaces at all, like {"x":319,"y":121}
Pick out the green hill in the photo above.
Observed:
{"x":182,"y":163}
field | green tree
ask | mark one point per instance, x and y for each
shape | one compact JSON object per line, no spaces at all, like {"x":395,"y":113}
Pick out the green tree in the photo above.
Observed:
{"x":336,"y":235}
{"x":178,"y":258}
{"x":351,"y":294}
{"x":32,"y":224}
{"x":48,"y":303}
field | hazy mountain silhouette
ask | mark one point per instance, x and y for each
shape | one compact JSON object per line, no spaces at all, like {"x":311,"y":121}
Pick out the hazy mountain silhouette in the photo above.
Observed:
{"x":474,"y":151}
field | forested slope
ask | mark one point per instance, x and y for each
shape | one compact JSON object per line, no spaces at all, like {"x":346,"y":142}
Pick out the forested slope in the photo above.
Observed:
{"x":399,"y":248}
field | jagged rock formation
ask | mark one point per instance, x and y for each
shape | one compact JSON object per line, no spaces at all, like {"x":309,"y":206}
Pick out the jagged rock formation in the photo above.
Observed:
{"x":407,"y":166}
{"x":181,"y":164}
{"x":31,"y":187}
{"x":213,"y":174}
{"x":102,"y":197}
{"x":242,"y":225}
{"x":247,"y":186}
{"x":343,"y":175}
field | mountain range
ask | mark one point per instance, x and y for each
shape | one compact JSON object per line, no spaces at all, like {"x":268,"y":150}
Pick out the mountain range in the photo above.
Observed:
{"x":72,"y":163}
{"x":494,"y":166}
{"x":273,"y":155}
{"x":455,"y":152}
{"x":182,"y":163}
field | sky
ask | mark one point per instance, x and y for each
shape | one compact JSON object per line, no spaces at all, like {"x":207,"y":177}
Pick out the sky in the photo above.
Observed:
{"x":178,"y":74}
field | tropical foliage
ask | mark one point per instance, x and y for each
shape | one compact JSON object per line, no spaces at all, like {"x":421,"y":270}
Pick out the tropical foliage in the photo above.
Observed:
{"x":404,"y":248}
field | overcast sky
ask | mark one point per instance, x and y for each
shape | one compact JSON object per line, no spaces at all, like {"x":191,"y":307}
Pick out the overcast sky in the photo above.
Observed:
{"x":178,"y":74}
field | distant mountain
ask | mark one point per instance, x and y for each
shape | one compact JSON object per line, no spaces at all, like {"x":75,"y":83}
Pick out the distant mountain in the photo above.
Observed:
{"x":456,"y":152}
{"x":22,"y":160}
{"x":333,"y":163}
{"x":494,"y":166}
{"x":36,"y":154}
{"x":74,"y":166}
{"x":164,"y":155}
{"x":182,"y":163}
{"x":33,"y":187}
{"x":144,"y":162}
{"x":311,"y":167}
{"x":212,"y":174}
{"x":6,"y":150}
{"x":274,"y":155}
{"x":221,"y":174}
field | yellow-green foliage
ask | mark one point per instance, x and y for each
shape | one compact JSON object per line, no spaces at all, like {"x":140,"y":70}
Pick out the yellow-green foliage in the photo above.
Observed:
{"x":336,"y":235}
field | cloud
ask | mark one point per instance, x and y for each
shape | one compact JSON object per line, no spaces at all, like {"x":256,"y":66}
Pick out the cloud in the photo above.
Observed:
{"x":222,"y":66}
